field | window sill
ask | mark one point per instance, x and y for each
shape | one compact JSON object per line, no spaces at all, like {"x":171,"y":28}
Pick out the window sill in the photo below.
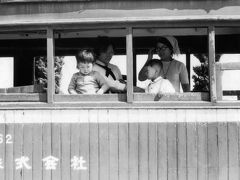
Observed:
{"x":37,"y":101}
{"x":118,"y":105}
{"x":90,"y":98}
{"x":23,"y":97}
{"x":189,"y":96}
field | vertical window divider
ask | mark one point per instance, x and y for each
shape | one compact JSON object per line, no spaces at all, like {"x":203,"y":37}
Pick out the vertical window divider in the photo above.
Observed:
{"x":129,"y":49}
{"x":50,"y":65}
{"x":212,"y":64}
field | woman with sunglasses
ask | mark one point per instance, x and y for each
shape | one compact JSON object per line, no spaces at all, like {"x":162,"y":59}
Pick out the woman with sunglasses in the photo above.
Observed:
{"x":173,"y":70}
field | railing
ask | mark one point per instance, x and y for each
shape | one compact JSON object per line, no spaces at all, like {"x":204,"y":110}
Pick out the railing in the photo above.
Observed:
{"x":220,"y":67}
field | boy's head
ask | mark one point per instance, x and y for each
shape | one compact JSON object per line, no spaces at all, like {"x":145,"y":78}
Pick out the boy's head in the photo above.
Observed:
{"x":85,"y":61}
{"x":154,"y":67}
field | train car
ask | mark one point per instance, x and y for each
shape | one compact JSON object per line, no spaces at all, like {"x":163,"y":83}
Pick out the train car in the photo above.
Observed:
{"x":47,"y":134}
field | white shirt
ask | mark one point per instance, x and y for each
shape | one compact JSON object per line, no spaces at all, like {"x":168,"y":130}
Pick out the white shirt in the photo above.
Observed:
{"x":160,"y":86}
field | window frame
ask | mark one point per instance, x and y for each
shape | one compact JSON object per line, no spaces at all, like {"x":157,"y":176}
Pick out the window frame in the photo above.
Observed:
{"x":214,"y":100}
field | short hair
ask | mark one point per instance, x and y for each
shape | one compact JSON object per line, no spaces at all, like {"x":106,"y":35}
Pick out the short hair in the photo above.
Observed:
{"x":85,"y":56}
{"x":103,"y":42}
{"x":153,"y":62}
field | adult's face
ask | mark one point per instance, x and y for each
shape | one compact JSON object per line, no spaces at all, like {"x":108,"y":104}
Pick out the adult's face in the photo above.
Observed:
{"x":163,"y":51}
{"x":106,"y":56}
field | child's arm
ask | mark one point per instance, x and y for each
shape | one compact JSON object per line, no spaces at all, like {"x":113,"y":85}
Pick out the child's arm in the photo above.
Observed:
{"x":72,"y":85}
{"x":102,"y":82}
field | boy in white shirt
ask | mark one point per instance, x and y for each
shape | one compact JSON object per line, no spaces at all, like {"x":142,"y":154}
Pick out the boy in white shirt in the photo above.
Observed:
{"x":158,"y":85}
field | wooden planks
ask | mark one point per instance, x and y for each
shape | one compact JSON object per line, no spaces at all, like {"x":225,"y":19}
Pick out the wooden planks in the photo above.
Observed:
{"x":123,"y":144}
{"x":233,"y":148}
{"x":162,"y":146}
{"x":181,"y":145}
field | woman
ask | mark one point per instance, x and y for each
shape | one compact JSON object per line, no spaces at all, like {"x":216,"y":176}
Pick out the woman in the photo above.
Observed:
{"x":173,"y":70}
{"x":112,"y":74}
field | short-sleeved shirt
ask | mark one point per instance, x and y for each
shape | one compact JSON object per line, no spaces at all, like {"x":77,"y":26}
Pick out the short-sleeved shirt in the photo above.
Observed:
{"x":176,"y":72}
{"x":160,"y":85}
{"x":86,"y":84}
{"x":113,"y":84}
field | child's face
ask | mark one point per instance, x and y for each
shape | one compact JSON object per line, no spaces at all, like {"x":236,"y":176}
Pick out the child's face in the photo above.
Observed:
{"x":85,"y":68}
{"x":151,"y":72}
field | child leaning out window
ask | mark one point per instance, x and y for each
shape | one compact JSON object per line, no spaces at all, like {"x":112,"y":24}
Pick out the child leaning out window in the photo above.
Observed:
{"x":87,"y":81}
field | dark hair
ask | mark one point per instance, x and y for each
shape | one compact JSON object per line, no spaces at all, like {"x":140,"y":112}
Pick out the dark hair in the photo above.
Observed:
{"x":153,"y":62}
{"x":166,"y":42}
{"x":85,"y":56}
{"x":102,"y":45}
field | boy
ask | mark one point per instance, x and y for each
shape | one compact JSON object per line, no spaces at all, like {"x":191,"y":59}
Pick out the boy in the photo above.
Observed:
{"x":87,"y":81}
{"x":158,"y":85}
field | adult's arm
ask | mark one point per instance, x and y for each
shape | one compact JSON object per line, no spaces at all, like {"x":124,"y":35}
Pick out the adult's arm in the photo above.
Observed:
{"x":185,"y":87}
{"x":184,"y":79}
{"x":142,"y":74}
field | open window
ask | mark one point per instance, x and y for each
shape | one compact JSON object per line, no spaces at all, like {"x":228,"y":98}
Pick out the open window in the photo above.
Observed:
{"x":18,"y":53}
{"x":67,"y":45}
{"x":228,"y":63}
{"x":193,"y":44}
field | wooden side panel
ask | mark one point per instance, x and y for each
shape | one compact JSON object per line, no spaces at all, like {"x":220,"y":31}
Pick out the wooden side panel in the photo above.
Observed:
{"x":65,"y":151}
{"x":222,"y":144}
{"x":212,"y":146}
{"x":202,"y":156}
{"x":56,"y":150}
{"x":133,"y":158}
{"x":113,"y":144}
{"x":103,"y":146}
{"x":162,"y":146}
{"x":2,"y":145}
{"x":143,"y":146}
{"x":28,"y":144}
{"x":121,"y":144}
{"x":152,"y":145}
{"x":233,"y":144}
{"x":37,"y":151}
{"x":46,"y":145}
{"x":18,"y":148}
{"x":93,"y":145}
{"x":75,"y":133}
{"x":27,"y":150}
{"x":191,"y":145}
{"x":172,"y":145}
{"x":9,"y":147}
{"x":181,"y":145}
{"x":83,"y":146}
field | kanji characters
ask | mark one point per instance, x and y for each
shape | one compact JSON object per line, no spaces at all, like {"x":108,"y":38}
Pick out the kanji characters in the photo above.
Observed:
{"x":22,"y":162}
{"x":50,"y":162}
{"x":77,"y":163}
